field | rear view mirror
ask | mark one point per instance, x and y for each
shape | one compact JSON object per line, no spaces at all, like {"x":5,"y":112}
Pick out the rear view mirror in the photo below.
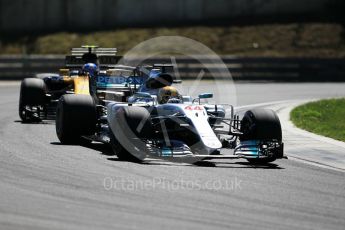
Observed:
{"x":177,"y":81}
{"x":206,"y":95}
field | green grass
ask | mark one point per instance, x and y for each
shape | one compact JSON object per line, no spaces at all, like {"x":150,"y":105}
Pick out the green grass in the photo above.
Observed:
{"x":325,"y":117}
{"x":277,"y":40}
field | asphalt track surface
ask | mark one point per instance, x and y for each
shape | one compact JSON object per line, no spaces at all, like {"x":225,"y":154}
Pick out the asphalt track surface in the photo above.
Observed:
{"x":45,"y":185}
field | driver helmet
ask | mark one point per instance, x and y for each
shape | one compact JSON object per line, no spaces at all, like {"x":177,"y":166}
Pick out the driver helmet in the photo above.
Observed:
{"x":166,"y":93}
{"x":91,"y":69}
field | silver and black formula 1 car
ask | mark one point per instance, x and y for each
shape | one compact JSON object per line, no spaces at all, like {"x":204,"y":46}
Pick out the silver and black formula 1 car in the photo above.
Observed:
{"x":181,"y":129}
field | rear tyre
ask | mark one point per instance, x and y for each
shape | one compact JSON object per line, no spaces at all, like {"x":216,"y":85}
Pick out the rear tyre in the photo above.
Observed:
{"x":261,"y":124}
{"x":75,"y":117}
{"x":131,"y":125}
{"x":32,"y":94}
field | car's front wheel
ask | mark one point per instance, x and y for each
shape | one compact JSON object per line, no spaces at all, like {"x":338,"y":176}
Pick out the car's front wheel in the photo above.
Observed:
{"x":32,"y":99}
{"x":130,"y":125}
{"x":261,"y":125}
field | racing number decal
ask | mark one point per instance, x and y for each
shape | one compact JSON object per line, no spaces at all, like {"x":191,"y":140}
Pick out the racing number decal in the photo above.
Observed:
{"x":190,"y":107}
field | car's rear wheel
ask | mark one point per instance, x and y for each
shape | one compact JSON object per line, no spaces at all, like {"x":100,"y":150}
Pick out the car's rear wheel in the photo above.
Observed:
{"x":130,"y":126}
{"x":75,"y":117}
{"x":261,"y":124}
{"x":32,"y":99}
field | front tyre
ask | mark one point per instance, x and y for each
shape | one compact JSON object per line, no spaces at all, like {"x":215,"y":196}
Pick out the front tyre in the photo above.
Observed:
{"x":262,"y":125}
{"x":32,"y":99}
{"x":130,"y":125}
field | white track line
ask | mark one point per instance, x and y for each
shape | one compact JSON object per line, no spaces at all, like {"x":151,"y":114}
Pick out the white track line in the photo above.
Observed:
{"x":9,"y":83}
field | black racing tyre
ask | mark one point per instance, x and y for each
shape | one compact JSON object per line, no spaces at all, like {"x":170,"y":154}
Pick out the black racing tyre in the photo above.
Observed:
{"x":76,"y":116}
{"x":122,"y":153}
{"x":32,"y":93}
{"x":138,"y":120}
{"x":261,"y":124}
{"x":131,"y":125}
